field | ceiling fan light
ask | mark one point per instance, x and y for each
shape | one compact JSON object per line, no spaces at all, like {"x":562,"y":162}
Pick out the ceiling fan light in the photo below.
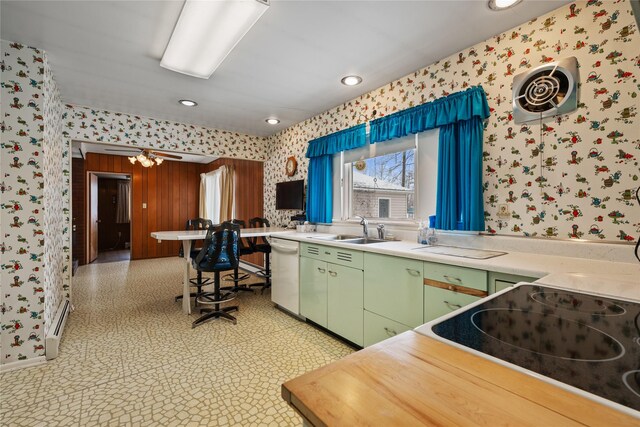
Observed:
{"x":132,"y":160}
{"x":206,"y":32}
{"x":158,"y":161}
{"x":141,"y":158}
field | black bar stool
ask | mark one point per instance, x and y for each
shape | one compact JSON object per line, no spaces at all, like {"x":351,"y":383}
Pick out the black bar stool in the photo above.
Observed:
{"x":199,"y":281}
{"x":243,"y":249}
{"x":260,"y":244}
{"x":219,"y":253}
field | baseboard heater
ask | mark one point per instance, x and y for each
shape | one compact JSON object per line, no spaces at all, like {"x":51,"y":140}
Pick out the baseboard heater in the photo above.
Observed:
{"x":52,"y":340}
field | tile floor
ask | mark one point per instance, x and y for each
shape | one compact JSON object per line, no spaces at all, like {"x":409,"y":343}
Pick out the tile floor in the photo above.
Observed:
{"x":130,"y":358}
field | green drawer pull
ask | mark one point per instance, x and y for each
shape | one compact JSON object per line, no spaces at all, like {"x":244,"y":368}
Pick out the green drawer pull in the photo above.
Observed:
{"x":390,"y":332}
{"x":322,"y":270}
{"x":452,"y":279}
{"x":413,"y":272}
{"x":452,"y":304}
{"x":327,"y":253}
{"x":332,"y":273}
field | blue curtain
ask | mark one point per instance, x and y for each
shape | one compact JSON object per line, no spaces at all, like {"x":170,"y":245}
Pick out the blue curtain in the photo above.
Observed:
{"x":460,"y":106}
{"x":320,"y":177}
{"x":320,"y":189}
{"x":343,"y":140}
{"x":459,"y":203}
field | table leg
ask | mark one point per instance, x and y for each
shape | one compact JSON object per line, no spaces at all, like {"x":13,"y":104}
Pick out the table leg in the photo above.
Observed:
{"x":186,"y":298}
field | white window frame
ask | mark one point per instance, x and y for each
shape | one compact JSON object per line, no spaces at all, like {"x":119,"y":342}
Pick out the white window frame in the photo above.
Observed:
{"x":425,"y":159}
{"x":388,"y":207}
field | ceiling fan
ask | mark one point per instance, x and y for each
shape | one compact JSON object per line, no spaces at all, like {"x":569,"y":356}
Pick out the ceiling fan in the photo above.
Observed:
{"x":146,"y":157}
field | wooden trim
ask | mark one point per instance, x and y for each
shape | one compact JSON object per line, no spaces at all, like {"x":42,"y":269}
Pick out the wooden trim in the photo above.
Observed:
{"x":456,"y":288}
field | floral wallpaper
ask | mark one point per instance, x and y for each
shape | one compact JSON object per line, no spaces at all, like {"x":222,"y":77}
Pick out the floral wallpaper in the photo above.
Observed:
{"x":87,"y":124}
{"x":577,"y":181}
{"x":56,"y":203}
{"x":34,"y":204}
{"x":22,"y":204}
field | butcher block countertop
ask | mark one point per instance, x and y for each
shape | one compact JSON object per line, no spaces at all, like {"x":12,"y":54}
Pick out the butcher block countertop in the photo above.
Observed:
{"x":413,"y":380}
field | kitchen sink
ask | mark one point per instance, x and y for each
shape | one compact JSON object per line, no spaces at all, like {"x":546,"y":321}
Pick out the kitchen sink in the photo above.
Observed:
{"x":363,"y":241}
{"x":338,"y":237}
{"x":348,"y":238}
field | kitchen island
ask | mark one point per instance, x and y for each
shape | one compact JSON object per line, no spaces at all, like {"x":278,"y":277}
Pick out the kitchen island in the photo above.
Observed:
{"x":412,"y":379}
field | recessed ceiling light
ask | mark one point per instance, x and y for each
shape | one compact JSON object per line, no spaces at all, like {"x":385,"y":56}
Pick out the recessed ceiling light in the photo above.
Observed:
{"x":188,"y":103}
{"x":272,"y":121}
{"x":502,"y":4}
{"x":351,"y":80}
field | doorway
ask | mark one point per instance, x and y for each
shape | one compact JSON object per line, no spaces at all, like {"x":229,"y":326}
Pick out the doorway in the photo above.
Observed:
{"x":109,"y":217}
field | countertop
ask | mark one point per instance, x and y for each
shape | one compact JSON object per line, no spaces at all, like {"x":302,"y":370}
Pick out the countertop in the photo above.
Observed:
{"x":415,"y":380}
{"x":520,"y":263}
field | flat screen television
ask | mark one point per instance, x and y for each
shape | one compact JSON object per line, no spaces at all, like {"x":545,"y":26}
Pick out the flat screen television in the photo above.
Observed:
{"x":290,"y":195}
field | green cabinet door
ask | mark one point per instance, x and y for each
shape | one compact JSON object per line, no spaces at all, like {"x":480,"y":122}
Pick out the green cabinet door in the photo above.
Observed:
{"x":438,"y":302}
{"x":313,"y":290}
{"x":393,"y":288}
{"x":345,"y":313}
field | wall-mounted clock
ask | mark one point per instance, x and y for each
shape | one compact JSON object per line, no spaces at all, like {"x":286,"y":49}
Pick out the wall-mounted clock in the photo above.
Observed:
{"x":292,"y":166}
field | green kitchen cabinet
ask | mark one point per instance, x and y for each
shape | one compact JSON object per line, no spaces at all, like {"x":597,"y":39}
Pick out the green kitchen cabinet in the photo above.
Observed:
{"x":450,"y":287}
{"x":378,"y":328}
{"x":393,"y":288}
{"x":313,"y":290}
{"x":438,"y":302}
{"x":345,"y":295}
{"x":500,"y":281}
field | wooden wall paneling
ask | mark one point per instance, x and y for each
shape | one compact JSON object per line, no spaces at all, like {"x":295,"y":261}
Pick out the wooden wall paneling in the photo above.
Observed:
{"x":136,"y":212}
{"x":152,"y":209}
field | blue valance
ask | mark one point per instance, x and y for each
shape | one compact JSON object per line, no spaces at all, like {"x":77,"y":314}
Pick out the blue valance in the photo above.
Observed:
{"x":346,"y":139}
{"x":460,"y":106}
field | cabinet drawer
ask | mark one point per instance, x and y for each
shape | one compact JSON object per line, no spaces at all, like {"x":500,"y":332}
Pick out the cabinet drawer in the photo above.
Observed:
{"x":378,"y":328}
{"x":456,"y":276}
{"x":393,"y":288}
{"x":340,"y":256}
{"x":438,"y":302}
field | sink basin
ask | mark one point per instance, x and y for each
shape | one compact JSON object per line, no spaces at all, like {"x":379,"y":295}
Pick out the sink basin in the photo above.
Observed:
{"x":338,"y":237}
{"x":363,"y":241}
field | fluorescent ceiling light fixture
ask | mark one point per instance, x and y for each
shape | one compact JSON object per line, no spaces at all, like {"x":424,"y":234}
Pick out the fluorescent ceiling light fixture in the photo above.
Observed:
{"x":207,"y":31}
{"x":351,"y":80}
{"x":502,"y":4}
{"x":272,"y":121}
{"x":188,"y":103}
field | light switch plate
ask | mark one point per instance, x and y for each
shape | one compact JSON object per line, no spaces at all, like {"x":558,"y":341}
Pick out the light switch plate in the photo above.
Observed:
{"x":144,"y":206}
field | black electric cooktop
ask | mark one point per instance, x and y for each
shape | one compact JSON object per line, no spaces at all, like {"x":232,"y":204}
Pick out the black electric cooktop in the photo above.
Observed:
{"x":589,"y":342}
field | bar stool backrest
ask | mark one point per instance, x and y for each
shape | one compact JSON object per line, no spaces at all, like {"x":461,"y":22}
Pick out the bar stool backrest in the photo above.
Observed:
{"x":258,"y":222}
{"x":220,"y":250}
{"x":195,"y":224}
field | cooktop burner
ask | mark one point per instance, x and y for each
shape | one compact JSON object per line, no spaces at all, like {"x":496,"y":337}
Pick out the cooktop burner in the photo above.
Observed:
{"x":586,"y":341}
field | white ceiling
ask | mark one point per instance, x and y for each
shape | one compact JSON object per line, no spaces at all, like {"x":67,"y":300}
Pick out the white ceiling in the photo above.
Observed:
{"x":81,"y":148}
{"x":106,"y":54}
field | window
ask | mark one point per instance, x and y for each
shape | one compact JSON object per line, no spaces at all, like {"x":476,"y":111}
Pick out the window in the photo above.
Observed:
{"x":383,"y":208}
{"x":383,"y":186}
{"x":395,"y":180}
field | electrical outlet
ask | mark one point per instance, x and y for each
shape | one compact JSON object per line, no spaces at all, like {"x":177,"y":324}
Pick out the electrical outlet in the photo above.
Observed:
{"x":503,"y":211}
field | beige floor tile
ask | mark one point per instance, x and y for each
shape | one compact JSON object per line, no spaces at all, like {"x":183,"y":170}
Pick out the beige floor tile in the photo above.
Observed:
{"x":129,"y":357}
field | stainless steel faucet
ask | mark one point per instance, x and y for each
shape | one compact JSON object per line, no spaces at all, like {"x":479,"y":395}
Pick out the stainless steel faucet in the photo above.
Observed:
{"x":381,"y":231}
{"x":365,"y":226}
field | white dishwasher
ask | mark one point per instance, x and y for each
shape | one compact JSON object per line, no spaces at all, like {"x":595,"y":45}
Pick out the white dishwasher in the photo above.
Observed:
{"x":285,"y":281}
